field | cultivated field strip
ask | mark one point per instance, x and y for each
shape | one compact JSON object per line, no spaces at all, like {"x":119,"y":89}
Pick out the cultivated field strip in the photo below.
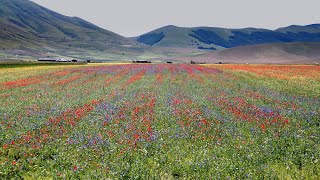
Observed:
{"x":161,"y":121}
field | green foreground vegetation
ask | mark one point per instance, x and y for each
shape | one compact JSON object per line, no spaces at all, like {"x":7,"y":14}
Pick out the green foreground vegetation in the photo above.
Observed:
{"x":163,"y":121}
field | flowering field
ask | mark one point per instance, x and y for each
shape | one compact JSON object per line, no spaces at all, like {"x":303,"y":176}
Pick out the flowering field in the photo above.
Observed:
{"x":160,"y":121}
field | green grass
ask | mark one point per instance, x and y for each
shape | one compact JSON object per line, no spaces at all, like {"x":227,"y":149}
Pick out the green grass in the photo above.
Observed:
{"x":33,"y":64}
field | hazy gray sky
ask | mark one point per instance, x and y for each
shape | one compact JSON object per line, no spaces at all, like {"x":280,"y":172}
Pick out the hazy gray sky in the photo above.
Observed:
{"x":135,"y":17}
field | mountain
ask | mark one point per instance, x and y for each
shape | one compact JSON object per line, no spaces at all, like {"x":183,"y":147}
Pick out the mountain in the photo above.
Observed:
{"x":284,"y":53}
{"x":30,"y":30}
{"x":213,"y":38}
{"x":13,"y":36}
{"x":24,"y":22}
{"x":312,"y":28}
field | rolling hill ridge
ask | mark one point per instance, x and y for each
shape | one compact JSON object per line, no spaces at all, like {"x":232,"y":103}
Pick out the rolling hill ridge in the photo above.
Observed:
{"x":213,"y":38}
{"x":30,"y":30}
{"x":274,"y":53}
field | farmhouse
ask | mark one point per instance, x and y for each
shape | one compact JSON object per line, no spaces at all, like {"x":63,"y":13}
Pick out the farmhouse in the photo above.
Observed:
{"x":141,"y":61}
{"x":48,"y":59}
{"x":193,"y":62}
{"x":63,"y":60}
{"x":53,"y":60}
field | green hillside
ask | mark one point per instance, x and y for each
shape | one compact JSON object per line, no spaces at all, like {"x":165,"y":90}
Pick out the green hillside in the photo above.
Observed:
{"x":220,"y":38}
{"x":32,"y":22}
{"x":286,"y":53}
{"x":13,"y":36}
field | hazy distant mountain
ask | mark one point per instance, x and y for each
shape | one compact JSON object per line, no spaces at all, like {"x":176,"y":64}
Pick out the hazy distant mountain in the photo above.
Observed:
{"x":220,"y":38}
{"x":286,"y":53}
{"x":312,"y":28}
{"x":23,"y":22}
{"x":26,"y":28}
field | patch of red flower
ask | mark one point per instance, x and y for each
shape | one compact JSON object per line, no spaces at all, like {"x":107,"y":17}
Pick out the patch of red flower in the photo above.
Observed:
{"x":137,"y":76}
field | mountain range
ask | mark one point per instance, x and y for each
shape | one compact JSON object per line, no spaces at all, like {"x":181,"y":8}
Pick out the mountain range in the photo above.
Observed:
{"x":282,"y":53}
{"x":29,"y":28}
{"x":212,"y":38}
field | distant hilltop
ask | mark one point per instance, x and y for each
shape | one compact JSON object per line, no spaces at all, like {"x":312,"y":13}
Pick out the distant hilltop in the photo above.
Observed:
{"x":214,"y":38}
{"x":26,"y":24}
{"x":28,"y":30}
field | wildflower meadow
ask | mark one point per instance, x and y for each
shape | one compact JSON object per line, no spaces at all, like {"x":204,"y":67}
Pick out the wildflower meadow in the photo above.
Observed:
{"x":160,"y":121}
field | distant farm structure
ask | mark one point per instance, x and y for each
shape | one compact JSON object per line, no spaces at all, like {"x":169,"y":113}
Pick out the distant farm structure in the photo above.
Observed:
{"x":141,"y":61}
{"x":193,"y":62}
{"x":48,"y":59}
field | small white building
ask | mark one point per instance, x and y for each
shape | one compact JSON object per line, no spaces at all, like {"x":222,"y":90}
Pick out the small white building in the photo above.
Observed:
{"x":53,"y":60}
{"x":49,"y":59}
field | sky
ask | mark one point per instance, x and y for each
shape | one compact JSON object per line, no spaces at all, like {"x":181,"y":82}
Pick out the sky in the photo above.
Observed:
{"x":131,"y":18}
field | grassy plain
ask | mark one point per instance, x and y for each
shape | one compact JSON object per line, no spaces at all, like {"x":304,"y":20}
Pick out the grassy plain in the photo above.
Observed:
{"x":161,"y":121}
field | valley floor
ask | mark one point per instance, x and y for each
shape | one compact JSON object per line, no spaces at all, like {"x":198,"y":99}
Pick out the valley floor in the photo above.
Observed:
{"x":160,"y":121}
